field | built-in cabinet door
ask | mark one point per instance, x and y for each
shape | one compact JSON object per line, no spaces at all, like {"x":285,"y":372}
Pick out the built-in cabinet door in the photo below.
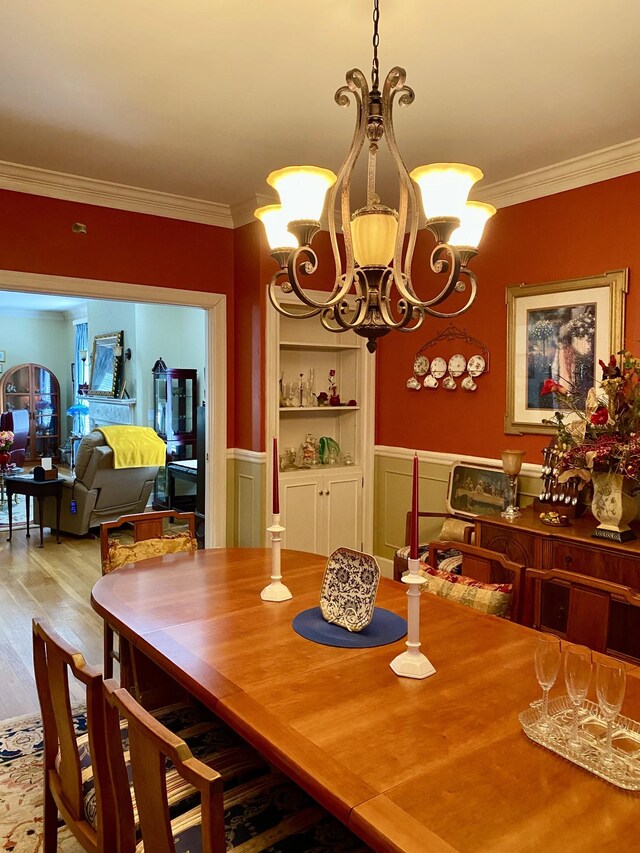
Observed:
{"x":321,"y":512}
{"x":301,"y":513}
{"x":343,"y":505}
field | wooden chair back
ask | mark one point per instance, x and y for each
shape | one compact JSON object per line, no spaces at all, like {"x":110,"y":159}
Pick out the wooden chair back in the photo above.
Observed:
{"x":53,"y":660}
{"x":596,"y":613}
{"x":453,"y":528}
{"x":464,"y":527}
{"x":146,"y":525}
{"x":150,"y":744}
{"x":487,"y":567}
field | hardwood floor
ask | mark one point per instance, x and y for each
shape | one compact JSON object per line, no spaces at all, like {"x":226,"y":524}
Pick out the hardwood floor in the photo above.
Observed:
{"x":53,"y":582}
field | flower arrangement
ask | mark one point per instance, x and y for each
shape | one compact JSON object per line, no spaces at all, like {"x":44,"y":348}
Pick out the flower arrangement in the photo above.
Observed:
{"x":605,"y":436}
{"x":6,"y":440}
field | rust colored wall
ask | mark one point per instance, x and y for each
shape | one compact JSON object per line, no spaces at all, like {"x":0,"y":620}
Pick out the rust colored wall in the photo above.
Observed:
{"x":36,"y":236}
{"x":578,"y":233}
{"x":249,"y":331}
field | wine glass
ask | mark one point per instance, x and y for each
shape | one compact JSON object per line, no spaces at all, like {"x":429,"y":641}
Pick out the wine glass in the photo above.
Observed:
{"x":547,"y":661}
{"x":577,"y":675}
{"x":611,"y":679}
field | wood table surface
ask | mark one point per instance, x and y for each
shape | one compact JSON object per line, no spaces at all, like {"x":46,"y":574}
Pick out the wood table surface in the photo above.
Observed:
{"x":411,"y":765}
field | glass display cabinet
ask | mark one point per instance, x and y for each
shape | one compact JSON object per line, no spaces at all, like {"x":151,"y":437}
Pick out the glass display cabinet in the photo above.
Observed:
{"x":36,"y":389}
{"x":175,"y":400}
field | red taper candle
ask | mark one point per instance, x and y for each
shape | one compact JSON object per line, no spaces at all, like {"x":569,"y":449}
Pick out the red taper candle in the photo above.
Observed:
{"x":413,"y":539}
{"x":276,"y":466}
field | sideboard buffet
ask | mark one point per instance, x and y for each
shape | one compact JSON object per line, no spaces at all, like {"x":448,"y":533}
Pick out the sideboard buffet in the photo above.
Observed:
{"x":529,"y":541}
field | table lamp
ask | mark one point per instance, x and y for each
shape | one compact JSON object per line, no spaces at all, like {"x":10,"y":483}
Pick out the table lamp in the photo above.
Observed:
{"x":511,"y":465}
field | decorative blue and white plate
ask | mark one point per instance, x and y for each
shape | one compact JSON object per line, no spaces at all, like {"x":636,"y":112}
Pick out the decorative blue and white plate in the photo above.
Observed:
{"x":349,"y":589}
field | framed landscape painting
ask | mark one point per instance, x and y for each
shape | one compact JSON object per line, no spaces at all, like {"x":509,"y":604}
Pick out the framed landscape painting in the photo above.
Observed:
{"x":559,"y":331}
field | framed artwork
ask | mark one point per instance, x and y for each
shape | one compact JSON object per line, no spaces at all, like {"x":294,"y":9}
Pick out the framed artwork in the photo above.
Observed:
{"x":559,"y":331}
{"x":2,"y":355}
{"x":476,"y":490}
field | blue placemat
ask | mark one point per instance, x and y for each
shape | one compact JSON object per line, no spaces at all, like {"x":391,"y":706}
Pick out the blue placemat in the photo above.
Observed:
{"x":385,"y":627}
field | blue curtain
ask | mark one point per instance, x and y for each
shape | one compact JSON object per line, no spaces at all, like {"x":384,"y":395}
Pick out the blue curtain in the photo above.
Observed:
{"x":81,"y":422}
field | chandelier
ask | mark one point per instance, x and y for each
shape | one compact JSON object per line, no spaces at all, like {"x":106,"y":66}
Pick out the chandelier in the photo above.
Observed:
{"x":373,"y":291}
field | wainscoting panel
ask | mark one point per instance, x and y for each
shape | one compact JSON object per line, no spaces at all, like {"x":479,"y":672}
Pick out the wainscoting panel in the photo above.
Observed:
{"x":393,"y":478}
{"x":245,"y":490}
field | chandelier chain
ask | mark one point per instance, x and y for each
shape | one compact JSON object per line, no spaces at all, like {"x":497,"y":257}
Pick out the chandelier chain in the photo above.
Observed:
{"x":375,"y":68}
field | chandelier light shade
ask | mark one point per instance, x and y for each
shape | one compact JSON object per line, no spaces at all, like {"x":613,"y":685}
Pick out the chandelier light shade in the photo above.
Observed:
{"x":373,"y":290}
{"x":275,"y":223}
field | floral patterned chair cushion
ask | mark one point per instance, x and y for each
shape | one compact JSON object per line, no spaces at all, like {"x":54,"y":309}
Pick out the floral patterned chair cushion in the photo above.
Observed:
{"x":119,"y":555}
{"x":492,"y":598}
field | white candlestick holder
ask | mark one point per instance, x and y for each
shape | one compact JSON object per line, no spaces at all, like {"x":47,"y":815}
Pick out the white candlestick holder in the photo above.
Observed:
{"x":276,"y":590}
{"x":412,"y":663}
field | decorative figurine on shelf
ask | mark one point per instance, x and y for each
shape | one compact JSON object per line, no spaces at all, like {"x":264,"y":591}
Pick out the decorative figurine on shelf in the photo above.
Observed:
{"x":334,"y":397}
{"x":308,"y":452}
{"x":322,"y":398}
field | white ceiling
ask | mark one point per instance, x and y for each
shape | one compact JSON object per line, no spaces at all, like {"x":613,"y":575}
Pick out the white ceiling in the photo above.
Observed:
{"x":202,"y":98}
{"x":14,"y":303}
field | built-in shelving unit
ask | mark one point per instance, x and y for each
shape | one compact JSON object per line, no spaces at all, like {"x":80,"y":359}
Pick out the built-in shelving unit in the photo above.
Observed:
{"x":323,"y":507}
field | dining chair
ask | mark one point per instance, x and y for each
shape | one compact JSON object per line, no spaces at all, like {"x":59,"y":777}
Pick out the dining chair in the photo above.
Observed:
{"x":487,"y":580}
{"x":65,"y":790}
{"x":268,"y":812}
{"x":453,"y":530}
{"x":77,"y":782}
{"x":149,"y":540}
{"x":600,"y":614}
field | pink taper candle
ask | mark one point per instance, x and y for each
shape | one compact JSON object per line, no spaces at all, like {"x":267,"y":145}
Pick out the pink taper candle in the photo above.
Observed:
{"x":413,"y":539}
{"x":276,"y":491}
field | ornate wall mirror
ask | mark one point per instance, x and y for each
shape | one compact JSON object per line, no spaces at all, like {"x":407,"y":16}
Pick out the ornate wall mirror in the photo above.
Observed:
{"x":105,"y":364}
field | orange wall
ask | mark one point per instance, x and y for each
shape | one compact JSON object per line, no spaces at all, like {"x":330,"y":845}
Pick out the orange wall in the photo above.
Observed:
{"x":36,"y":236}
{"x":578,"y":233}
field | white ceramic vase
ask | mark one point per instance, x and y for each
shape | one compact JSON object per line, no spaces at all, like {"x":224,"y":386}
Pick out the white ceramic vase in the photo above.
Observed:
{"x":613,"y":506}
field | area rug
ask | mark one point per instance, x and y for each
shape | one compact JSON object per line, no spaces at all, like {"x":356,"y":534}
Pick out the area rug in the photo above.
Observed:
{"x":21,"y":782}
{"x":19,"y":514}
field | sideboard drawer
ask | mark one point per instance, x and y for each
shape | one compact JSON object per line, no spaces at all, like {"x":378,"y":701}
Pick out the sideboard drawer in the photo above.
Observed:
{"x":596,"y":562}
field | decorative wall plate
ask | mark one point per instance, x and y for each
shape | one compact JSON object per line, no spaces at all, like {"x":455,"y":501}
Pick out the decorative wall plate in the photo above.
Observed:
{"x":457,"y":364}
{"x":438,"y":367}
{"x":476,"y":365}
{"x":349,"y":589}
{"x":420,"y":365}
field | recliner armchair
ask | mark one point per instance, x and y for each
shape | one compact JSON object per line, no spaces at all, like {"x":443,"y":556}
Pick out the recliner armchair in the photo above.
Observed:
{"x":101,"y":493}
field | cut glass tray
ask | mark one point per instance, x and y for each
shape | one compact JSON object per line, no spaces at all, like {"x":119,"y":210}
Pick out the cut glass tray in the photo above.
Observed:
{"x":624,"y":772}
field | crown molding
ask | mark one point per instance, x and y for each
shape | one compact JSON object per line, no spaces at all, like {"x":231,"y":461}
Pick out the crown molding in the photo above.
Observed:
{"x":601,"y":165}
{"x":242,"y":212}
{"x":30,"y":179}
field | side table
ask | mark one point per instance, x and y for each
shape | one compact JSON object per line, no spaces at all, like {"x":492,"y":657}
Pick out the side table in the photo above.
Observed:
{"x":39,"y":489}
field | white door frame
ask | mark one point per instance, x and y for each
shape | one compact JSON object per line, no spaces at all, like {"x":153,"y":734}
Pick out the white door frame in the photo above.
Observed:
{"x":215,"y":304}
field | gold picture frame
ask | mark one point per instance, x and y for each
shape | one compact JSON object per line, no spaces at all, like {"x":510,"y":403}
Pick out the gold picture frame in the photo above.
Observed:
{"x":559,"y":330}
{"x":106,"y":364}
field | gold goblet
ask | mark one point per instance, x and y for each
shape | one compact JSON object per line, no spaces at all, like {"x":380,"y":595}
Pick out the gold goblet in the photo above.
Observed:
{"x":511,"y":465}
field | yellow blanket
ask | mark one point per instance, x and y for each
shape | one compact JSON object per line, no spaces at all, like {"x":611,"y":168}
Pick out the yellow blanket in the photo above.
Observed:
{"x":135,"y":446}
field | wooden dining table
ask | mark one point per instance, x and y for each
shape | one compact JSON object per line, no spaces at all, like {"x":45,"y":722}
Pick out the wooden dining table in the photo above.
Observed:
{"x":421,"y":766}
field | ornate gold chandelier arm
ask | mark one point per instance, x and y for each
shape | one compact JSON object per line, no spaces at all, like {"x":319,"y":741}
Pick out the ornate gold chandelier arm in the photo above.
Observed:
{"x":394,"y":84}
{"x":357,"y":88}
{"x":458,"y":286}
{"x":280,"y":282}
